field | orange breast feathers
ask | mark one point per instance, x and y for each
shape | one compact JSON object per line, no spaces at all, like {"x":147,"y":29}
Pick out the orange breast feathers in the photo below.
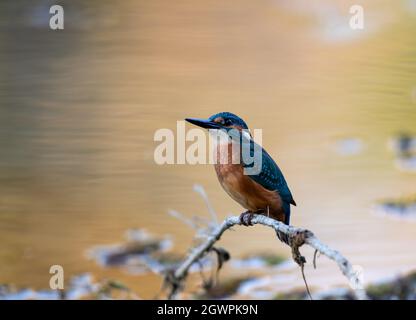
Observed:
{"x":248,"y":193}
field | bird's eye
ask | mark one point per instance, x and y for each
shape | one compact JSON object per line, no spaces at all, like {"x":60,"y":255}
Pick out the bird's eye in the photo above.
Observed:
{"x":220,"y":121}
{"x":227,"y":122}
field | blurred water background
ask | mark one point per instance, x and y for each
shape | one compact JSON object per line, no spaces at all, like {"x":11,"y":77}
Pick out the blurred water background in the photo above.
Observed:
{"x":79,"y":108}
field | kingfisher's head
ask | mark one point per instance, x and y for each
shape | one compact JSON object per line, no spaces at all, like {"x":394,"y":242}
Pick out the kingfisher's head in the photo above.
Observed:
{"x":222,"y":120}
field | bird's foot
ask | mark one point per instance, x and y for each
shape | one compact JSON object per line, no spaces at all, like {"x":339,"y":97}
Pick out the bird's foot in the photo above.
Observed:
{"x":245,"y":218}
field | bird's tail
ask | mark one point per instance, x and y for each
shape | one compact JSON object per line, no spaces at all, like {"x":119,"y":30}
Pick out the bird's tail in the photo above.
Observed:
{"x":282,"y":236}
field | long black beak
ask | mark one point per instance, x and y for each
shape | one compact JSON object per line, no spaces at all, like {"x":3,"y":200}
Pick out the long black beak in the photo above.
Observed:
{"x":204,"y":123}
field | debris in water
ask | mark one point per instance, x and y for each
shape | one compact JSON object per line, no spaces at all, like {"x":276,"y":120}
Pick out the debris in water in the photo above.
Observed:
{"x":258,"y":261}
{"x":80,"y":287}
{"x":222,"y":289}
{"x":402,"y":208}
{"x":404,"y":147}
{"x":139,"y":245}
{"x":142,"y":253}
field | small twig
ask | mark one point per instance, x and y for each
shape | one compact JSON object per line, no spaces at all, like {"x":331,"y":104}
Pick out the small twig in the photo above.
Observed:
{"x":297,"y":238}
{"x":181,"y":217}
{"x":201,"y":191}
{"x":302,"y":269}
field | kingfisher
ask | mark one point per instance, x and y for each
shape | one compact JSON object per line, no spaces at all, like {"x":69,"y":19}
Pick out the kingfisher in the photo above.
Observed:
{"x":263,"y":192}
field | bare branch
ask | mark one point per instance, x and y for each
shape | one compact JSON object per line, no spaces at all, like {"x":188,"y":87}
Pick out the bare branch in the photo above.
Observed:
{"x":181,"y":217}
{"x":297,"y":237}
{"x":201,"y":191}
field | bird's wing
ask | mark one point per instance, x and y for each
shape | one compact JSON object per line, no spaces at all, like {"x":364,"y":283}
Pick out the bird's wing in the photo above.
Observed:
{"x":270,"y":176}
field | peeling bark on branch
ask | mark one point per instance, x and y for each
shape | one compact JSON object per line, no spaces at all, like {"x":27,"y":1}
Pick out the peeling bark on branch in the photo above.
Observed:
{"x":297,"y":238}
